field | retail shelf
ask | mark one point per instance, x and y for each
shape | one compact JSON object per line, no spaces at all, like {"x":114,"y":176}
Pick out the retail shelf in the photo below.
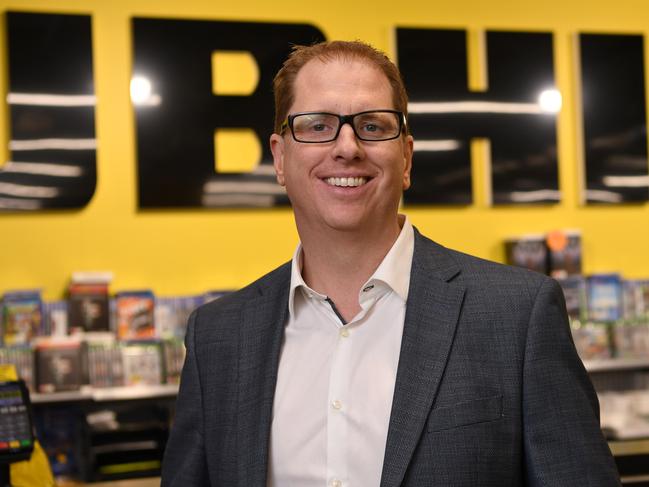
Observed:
{"x":125,"y":446}
{"x":629,"y":447}
{"x":615,"y":364}
{"x":107,"y":394}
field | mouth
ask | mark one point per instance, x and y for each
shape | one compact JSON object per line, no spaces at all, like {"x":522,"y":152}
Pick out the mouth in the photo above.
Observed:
{"x":346,"y":182}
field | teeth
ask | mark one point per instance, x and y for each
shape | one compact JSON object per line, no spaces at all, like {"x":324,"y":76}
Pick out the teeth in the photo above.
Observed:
{"x":353,"y":182}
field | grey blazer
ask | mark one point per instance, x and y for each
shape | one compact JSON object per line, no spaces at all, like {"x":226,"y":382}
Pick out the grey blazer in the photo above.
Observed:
{"x":489,"y":392}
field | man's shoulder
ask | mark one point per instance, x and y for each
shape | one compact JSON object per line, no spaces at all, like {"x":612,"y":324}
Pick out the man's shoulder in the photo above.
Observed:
{"x":477,"y":271}
{"x":272,"y":283}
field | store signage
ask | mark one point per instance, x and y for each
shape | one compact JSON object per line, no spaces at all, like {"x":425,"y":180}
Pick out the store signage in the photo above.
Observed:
{"x":51,"y":100}
{"x":53,"y":146}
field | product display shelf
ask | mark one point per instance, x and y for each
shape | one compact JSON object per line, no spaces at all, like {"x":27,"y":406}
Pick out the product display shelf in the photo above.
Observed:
{"x":616,"y":364}
{"x":632,"y":458}
{"x":107,"y":394}
{"x":109,"y":433}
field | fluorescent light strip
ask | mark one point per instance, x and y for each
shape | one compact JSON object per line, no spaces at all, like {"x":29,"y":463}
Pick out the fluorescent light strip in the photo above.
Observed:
{"x":18,"y":204}
{"x":475,"y":107}
{"x":152,"y":100}
{"x":533,"y":196}
{"x":627,"y":181}
{"x":51,"y":100}
{"x":243,"y":187}
{"x":603,"y":196}
{"x":53,"y":144}
{"x":255,"y":200}
{"x":264,"y":170}
{"x":436,"y":145}
{"x":28,"y":191}
{"x":42,"y":168}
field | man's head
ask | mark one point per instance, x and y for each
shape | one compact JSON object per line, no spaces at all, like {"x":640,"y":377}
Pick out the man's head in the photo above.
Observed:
{"x":284,"y":82}
{"x":344,"y":157}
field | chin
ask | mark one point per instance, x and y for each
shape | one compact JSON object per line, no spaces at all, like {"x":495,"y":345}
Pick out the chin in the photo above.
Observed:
{"x":345,"y":223}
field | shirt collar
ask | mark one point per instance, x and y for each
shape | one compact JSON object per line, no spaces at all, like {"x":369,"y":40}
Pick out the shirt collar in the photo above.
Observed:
{"x":394,"y":269}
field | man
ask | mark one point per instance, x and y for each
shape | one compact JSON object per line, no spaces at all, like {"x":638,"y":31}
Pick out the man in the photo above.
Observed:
{"x":377,"y":357}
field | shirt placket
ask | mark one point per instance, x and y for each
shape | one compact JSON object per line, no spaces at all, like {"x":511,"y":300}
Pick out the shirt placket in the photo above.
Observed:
{"x":338,"y":410}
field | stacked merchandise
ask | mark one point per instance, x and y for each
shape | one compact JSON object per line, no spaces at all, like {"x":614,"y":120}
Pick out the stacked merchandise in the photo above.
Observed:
{"x":94,"y":340}
{"x":609,"y":314}
{"x":21,"y":316}
{"x":89,"y":342}
{"x":88,"y":309}
{"x":609,"y":318}
{"x":624,"y":397}
{"x":174,"y":357}
{"x":631,"y":333}
{"x":172,"y":314}
{"x":105,"y":367}
{"x":557,"y":253}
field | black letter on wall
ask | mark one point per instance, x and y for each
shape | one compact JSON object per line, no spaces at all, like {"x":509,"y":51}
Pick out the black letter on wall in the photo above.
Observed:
{"x":175,"y":133}
{"x":52,"y":111}
{"x":445,"y":116}
{"x":614,"y":115}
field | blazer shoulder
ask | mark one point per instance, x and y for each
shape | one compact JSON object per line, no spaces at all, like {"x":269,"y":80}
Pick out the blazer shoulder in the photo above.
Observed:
{"x":226,"y":310}
{"x":476,"y":272}
{"x":274,"y":281}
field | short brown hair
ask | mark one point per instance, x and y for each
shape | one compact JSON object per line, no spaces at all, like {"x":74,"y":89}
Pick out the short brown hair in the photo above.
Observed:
{"x":284,"y":81}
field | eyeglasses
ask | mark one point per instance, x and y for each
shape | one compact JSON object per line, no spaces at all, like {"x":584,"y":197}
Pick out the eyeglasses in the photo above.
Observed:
{"x":371,"y":125}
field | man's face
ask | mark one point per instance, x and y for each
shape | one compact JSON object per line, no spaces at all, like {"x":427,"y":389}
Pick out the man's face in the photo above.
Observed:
{"x":316,"y":175}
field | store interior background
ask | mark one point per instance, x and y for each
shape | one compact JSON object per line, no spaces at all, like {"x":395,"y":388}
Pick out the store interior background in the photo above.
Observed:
{"x":177,"y":252}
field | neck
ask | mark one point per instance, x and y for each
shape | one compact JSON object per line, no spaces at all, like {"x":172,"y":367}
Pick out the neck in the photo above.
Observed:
{"x":337,"y":263}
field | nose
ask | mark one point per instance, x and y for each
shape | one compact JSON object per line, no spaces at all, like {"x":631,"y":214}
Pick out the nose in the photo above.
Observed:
{"x":347,"y":146}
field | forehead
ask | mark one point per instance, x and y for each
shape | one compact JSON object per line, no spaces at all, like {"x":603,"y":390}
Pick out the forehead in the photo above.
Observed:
{"x":341,"y":85}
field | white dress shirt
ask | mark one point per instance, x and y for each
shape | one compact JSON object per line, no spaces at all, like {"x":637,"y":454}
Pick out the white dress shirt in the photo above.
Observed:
{"x":336,"y":381}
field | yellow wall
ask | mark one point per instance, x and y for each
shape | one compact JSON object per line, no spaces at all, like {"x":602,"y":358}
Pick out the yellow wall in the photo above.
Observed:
{"x":178,"y":252}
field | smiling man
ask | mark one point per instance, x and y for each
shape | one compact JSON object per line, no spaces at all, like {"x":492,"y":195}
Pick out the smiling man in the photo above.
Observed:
{"x":377,"y":357}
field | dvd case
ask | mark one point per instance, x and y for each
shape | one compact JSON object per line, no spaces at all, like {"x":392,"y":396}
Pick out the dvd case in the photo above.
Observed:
{"x":142,"y":363}
{"x":59,"y":366}
{"x":574,"y":292}
{"x":22,"y":317}
{"x":135,"y":315}
{"x":527,"y":251}
{"x":564,"y":252}
{"x":88,"y":306}
{"x":604,"y":297}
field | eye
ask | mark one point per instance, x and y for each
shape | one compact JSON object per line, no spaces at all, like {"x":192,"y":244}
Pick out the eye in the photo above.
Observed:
{"x":372,"y":126}
{"x":317,"y":123}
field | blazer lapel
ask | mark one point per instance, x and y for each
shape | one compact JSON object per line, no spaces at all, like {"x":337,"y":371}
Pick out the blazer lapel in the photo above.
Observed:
{"x":262,"y":327}
{"x":432,"y":312}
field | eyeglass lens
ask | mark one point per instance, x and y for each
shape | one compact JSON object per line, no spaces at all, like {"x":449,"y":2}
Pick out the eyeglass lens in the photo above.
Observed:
{"x":324,"y":127}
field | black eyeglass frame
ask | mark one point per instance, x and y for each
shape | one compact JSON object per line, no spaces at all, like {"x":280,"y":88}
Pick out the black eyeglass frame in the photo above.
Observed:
{"x":343,"y":119}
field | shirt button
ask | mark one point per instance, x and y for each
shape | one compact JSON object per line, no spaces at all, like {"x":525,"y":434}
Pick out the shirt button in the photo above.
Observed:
{"x":344,"y":333}
{"x":336,"y":483}
{"x":336,"y":404}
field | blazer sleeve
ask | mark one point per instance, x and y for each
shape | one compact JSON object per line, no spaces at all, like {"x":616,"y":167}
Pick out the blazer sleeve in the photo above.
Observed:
{"x":563,"y":442}
{"x":184,"y":458}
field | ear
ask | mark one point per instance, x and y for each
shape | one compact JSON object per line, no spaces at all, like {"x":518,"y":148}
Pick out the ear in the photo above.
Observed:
{"x":407,"y":159}
{"x":277,"y":148}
